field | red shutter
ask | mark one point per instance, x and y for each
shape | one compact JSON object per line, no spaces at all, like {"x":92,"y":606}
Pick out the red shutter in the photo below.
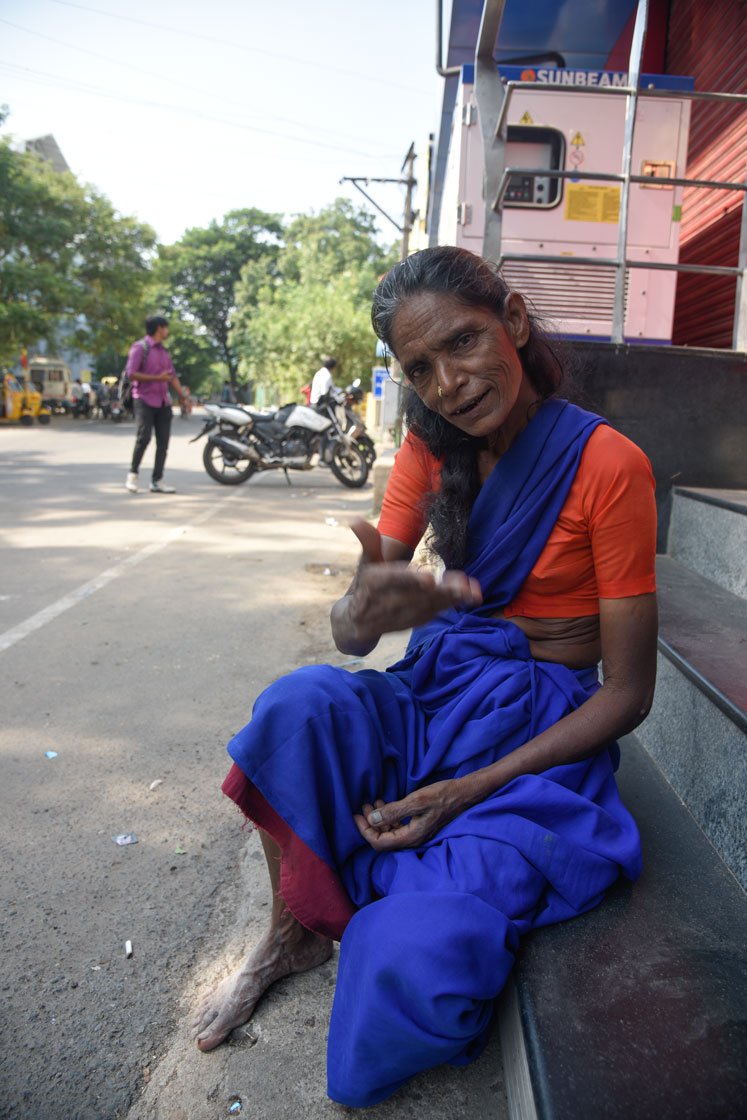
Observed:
{"x":707,"y":41}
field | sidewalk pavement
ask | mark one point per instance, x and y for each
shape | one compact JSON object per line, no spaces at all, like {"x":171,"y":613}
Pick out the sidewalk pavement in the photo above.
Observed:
{"x":274,"y":1068}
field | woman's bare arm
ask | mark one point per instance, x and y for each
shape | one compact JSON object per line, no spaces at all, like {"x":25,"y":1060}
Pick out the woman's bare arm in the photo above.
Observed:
{"x":628,"y":634}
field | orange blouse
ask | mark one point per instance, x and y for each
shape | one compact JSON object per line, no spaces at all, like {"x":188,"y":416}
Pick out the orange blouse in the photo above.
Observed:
{"x":603,"y":544}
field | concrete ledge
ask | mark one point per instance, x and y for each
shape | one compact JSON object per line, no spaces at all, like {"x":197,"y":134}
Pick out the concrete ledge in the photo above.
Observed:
{"x":637,"y":1008}
{"x":708,"y":533}
{"x":703,"y":627}
{"x":703,"y":754}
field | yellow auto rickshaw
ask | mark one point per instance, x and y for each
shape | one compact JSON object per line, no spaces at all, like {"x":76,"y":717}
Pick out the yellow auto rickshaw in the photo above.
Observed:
{"x":21,"y":401}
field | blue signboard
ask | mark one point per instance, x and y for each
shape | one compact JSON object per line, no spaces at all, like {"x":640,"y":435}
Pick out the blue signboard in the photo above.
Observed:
{"x":380,"y":375}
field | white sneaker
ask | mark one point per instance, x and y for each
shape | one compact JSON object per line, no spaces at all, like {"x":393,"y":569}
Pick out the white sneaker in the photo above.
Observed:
{"x":131,"y":483}
{"x":161,"y":488}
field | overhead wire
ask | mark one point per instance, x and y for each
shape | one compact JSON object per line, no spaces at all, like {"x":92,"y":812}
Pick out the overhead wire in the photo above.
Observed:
{"x":44,"y":78}
{"x":296,"y":59}
{"x":172,"y":81}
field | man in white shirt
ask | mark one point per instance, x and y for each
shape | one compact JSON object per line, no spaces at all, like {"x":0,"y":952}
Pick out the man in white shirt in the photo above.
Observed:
{"x":322,"y":380}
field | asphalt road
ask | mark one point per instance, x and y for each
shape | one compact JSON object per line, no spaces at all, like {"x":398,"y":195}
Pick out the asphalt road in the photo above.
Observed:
{"x":135,"y":633}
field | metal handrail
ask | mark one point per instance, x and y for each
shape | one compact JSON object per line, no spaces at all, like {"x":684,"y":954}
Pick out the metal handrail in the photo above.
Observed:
{"x":612,"y":262}
{"x":611,"y":91}
{"x":490,"y":94}
{"x":612,"y":177}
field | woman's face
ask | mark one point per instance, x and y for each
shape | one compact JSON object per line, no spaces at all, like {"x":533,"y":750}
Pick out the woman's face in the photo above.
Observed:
{"x":471,"y":356}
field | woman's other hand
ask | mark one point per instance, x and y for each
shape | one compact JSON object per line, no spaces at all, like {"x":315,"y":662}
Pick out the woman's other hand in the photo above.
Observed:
{"x":413,"y":820}
{"x":388,"y":595}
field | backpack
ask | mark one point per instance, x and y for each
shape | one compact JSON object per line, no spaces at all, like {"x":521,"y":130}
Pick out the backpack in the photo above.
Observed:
{"x":124,"y":385}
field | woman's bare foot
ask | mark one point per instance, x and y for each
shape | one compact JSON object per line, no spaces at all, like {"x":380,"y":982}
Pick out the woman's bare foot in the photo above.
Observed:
{"x":283,"y":950}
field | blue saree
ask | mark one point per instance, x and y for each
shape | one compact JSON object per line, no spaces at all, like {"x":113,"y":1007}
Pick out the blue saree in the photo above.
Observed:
{"x":429,"y":935}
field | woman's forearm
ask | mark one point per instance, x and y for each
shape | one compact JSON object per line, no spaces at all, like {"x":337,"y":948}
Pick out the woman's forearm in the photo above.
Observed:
{"x":604,"y":717}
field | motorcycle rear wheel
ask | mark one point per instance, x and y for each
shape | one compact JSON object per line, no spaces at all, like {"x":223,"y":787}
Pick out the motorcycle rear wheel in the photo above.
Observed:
{"x":349,"y":466}
{"x":226,"y":471}
{"x":366,"y":447}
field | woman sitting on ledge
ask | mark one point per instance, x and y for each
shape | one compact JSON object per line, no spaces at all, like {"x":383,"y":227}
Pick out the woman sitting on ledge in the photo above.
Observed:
{"x":430,"y":815}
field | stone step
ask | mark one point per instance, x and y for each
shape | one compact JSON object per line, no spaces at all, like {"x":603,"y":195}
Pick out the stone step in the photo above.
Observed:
{"x":636,"y":1009}
{"x":696,"y":729}
{"x":708,"y":533}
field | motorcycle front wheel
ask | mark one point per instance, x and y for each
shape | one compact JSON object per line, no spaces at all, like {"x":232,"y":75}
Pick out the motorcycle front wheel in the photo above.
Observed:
{"x":349,"y":466}
{"x":229,"y":472}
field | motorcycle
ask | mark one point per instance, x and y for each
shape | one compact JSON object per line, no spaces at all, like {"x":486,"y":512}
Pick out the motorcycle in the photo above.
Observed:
{"x":355,"y":426}
{"x":348,"y":420}
{"x":295,"y":437}
{"x":80,"y":406}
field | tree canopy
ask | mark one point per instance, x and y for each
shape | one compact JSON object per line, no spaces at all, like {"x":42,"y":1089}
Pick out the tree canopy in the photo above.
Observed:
{"x":70,"y":267}
{"x":249,"y":293}
{"x":197,"y":276}
{"x":316,"y":303}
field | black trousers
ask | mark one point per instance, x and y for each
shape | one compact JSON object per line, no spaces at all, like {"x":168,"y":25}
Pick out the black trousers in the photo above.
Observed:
{"x":151,"y":420}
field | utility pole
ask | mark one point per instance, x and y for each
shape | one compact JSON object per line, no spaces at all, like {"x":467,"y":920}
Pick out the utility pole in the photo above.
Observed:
{"x":407,"y":169}
{"x":409,"y":182}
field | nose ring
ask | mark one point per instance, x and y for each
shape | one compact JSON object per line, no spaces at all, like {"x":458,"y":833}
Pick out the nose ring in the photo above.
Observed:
{"x":440,"y":391}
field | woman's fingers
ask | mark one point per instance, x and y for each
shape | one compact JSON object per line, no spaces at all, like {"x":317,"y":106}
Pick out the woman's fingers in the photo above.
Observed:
{"x":370,"y":539}
{"x":403,"y":836}
{"x":379,"y":816}
{"x":464,"y":588}
{"x":396,"y":597}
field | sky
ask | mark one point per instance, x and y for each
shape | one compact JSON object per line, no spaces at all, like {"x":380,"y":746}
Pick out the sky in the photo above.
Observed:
{"x":180,"y":111}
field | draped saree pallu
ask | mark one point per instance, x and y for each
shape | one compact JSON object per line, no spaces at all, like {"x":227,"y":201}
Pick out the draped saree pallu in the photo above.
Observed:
{"x":428,"y":936}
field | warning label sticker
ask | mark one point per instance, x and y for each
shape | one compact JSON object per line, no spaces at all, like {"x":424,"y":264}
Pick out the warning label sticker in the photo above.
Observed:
{"x":592,"y":204}
{"x":526,"y":118}
{"x":578,"y":141}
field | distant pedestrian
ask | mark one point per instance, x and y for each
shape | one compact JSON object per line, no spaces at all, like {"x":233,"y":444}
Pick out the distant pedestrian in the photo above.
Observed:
{"x":151,"y":371}
{"x":322,"y":382}
{"x":228,"y":395}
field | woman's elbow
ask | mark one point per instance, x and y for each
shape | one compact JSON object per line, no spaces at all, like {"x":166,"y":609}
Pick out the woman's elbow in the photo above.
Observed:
{"x":635,"y":704}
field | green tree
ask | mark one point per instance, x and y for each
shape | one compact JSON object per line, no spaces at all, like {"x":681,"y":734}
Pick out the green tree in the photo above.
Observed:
{"x":195,"y":355}
{"x":197,"y":276}
{"x":112,"y":272}
{"x":69,"y":265}
{"x":317,"y":303}
{"x":339,"y":240}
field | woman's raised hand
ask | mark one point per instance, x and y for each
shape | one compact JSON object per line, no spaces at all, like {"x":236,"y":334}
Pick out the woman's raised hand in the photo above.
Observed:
{"x":388,"y":595}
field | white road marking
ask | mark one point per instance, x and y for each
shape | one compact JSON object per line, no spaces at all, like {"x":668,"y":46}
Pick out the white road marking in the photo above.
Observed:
{"x":42,"y":617}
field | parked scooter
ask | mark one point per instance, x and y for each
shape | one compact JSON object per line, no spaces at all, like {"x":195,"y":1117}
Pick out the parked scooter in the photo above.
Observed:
{"x":242,"y":442}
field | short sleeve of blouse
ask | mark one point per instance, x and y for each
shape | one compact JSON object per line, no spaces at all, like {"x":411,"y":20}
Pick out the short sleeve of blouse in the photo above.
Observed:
{"x":620,"y":509}
{"x":415,"y":474}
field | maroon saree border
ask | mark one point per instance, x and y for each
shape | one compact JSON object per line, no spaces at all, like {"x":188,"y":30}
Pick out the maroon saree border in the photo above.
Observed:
{"x":309,"y":887}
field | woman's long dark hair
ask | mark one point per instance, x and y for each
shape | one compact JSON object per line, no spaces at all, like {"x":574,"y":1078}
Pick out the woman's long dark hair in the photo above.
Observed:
{"x":476,"y":283}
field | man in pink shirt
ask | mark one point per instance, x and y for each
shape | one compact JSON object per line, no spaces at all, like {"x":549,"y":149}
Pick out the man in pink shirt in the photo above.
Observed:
{"x":151,"y":371}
